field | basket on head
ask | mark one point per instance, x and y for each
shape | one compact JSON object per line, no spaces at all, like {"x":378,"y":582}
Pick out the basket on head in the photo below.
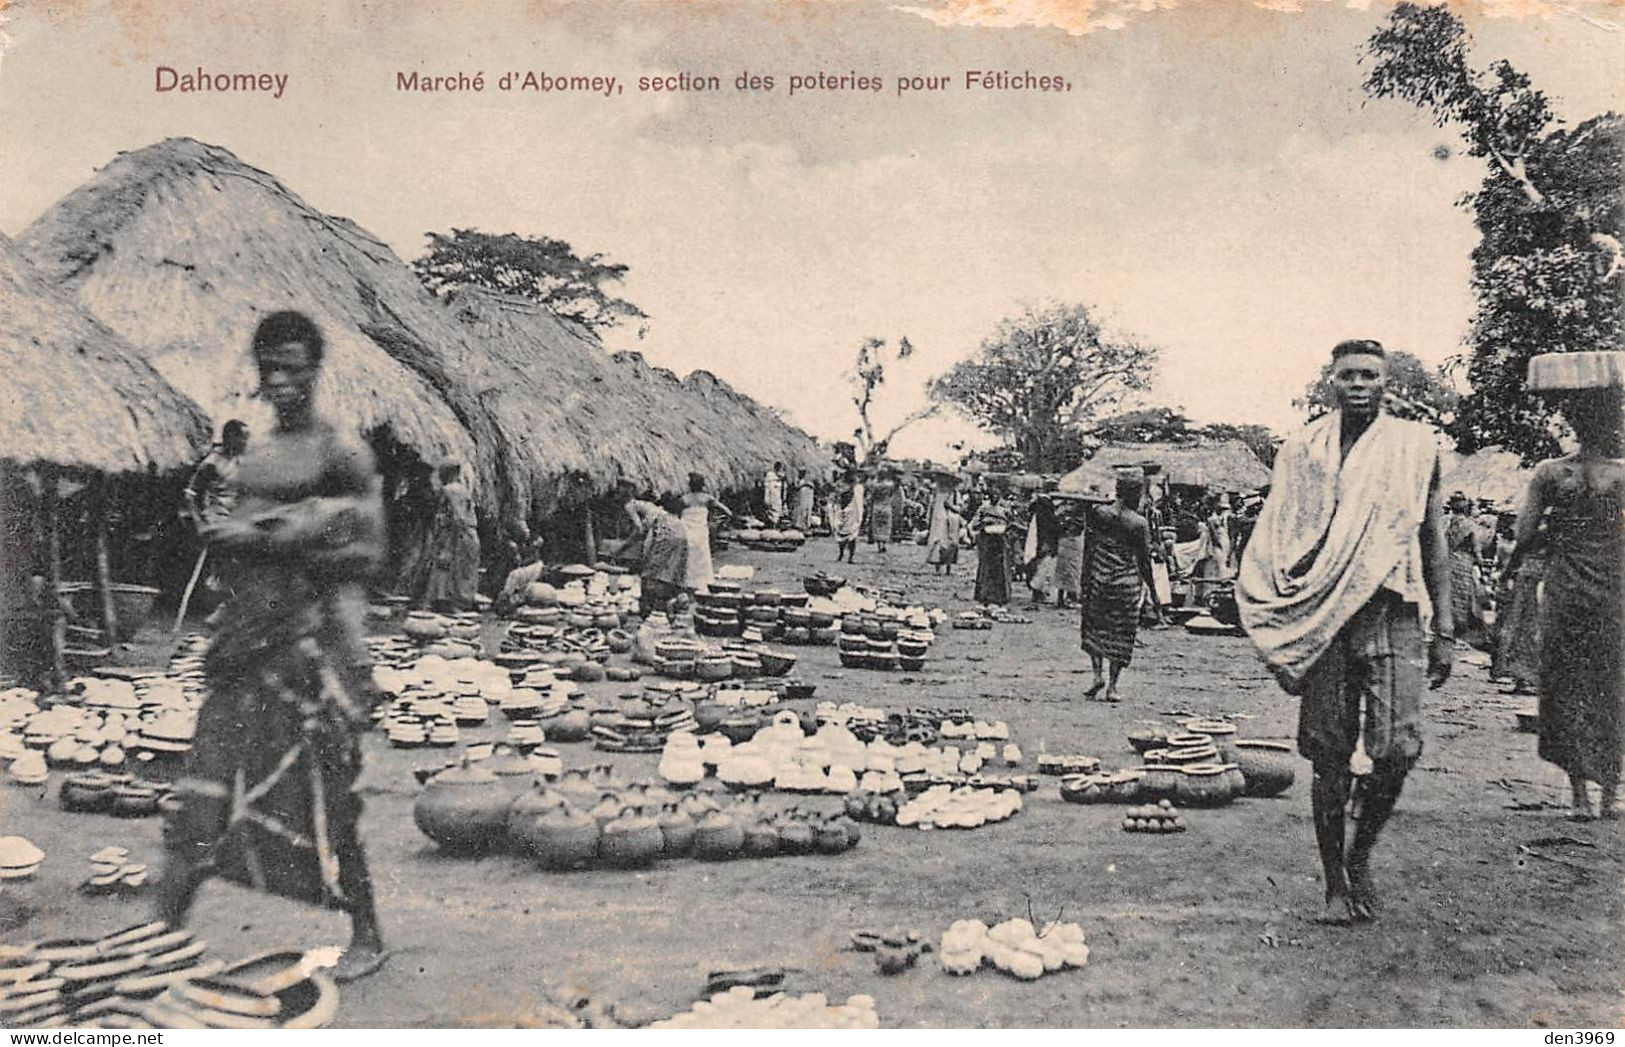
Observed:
{"x":1583,"y":370}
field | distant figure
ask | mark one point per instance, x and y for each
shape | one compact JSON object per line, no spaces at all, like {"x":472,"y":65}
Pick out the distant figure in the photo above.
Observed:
{"x":659,"y":544}
{"x":802,"y":516}
{"x":1517,"y":610}
{"x":947,"y":529}
{"x":1069,"y":559}
{"x":991,"y":528}
{"x":453,"y":555}
{"x":1043,"y":540}
{"x":1116,"y":570}
{"x":773,"y":485}
{"x":209,"y":498}
{"x":883,"y":510}
{"x":848,"y":518}
{"x":1580,"y":501}
{"x":1461,"y":536}
{"x":698,"y":504}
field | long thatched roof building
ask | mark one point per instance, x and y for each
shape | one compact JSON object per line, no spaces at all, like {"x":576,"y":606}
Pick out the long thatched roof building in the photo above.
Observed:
{"x":182,"y":247}
{"x":76,"y":395}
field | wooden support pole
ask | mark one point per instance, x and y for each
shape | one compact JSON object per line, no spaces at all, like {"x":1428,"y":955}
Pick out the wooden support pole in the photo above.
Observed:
{"x":51,"y":600}
{"x":104,"y":564}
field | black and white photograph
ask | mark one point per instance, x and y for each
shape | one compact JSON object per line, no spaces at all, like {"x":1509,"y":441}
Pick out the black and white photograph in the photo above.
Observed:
{"x":717,"y":514}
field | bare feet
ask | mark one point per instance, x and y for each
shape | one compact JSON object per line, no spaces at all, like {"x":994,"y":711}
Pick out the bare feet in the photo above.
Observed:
{"x":1339,"y":911}
{"x":359,"y":961}
{"x":1363,"y":904}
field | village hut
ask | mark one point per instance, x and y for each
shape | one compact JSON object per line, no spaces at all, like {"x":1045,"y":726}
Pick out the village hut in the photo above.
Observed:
{"x":181,"y":248}
{"x":1490,"y":473}
{"x":587,"y":420}
{"x":1208,"y":465}
{"x":83,"y":414}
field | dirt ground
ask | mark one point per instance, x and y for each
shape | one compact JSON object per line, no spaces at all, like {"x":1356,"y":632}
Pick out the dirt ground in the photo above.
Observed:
{"x":1499,"y":912}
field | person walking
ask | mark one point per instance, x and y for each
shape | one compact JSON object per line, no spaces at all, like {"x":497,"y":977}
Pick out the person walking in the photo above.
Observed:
{"x":267,"y":797}
{"x":1116,"y":569}
{"x":1461,"y":537}
{"x":1575,"y":511}
{"x":1346,"y":567}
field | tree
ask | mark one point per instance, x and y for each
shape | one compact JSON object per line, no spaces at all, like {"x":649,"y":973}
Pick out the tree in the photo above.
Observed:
{"x":542,"y":269}
{"x":1259,"y":439}
{"x":1414,"y":391}
{"x":1548,"y":272}
{"x":1170,"y":425}
{"x":866,"y":378}
{"x":1044,"y":373}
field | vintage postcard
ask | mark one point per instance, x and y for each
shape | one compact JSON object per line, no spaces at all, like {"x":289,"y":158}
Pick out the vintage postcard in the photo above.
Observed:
{"x":854,"y":514}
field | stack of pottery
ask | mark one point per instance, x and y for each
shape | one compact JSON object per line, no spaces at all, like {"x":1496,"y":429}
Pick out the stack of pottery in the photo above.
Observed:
{"x":717,"y":612}
{"x":19,"y":858}
{"x":675,"y":656}
{"x":1222,"y":733}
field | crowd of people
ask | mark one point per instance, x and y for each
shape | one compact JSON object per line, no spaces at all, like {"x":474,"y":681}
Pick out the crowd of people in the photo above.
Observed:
{"x":1346,"y":578}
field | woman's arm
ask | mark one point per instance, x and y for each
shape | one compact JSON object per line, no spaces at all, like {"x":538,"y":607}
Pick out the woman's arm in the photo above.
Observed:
{"x":1529,"y":535}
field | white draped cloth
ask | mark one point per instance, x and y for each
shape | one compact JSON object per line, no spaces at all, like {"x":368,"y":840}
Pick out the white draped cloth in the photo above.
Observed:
{"x":1332,"y":534}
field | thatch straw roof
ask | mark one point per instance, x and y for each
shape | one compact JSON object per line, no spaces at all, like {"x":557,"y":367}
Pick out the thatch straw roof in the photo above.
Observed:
{"x":75,"y":394}
{"x":575,"y":409}
{"x":1490,"y":473}
{"x":1221,"y":465}
{"x":181,"y":248}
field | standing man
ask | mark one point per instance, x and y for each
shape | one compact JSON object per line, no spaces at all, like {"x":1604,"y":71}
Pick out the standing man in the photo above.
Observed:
{"x":209,"y":497}
{"x":1346,"y":567}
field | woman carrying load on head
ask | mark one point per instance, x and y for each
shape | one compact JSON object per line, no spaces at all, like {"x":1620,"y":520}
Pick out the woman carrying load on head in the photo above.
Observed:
{"x":1579,"y":499}
{"x":1116,"y":569}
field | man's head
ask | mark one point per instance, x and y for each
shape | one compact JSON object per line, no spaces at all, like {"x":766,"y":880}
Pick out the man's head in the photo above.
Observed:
{"x":1359,"y":369}
{"x":288,"y":348}
{"x":234,"y":437}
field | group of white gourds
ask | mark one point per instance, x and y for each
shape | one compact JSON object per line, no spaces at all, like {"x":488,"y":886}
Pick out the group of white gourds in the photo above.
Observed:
{"x":966,"y":807}
{"x":1012,"y":947}
{"x":741,"y":1008}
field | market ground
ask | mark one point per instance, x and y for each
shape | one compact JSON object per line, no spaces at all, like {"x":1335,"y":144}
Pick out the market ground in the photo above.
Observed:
{"x":1498,"y":911}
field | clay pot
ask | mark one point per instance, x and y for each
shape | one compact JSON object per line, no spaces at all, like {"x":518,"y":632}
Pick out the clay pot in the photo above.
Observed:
{"x":563,"y":838}
{"x":134,"y":801}
{"x":1161,"y":781}
{"x":524,"y":810}
{"x":718,"y":837}
{"x":713,"y":668}
{"x":831,"y":837}
{"x":761,"y":840}
{"x":1204,"y":785}
{"x":677,"y":831}
{"x":797,"y":837}
{"x":608,"y":808}
{"x":424,"y":626}
{"x":708,"y":716}
{"x":571,"y":726}
{"x":1234,"y":780}
{"x":464,"y":808}
{"x":514,"y":771}
{"x":631,"y":841}
{"x":86,"y":792}
{"x":1268,"y":767}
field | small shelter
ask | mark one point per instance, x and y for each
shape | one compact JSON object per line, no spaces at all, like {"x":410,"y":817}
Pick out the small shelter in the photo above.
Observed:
{"x":82,"y":411}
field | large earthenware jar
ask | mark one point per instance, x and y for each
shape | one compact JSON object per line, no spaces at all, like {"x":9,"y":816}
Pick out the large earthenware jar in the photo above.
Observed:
{"x":1269,"y":767}
{"x":463,"y":808}
{"x":631,"y":841}
{"x":563,"y":838}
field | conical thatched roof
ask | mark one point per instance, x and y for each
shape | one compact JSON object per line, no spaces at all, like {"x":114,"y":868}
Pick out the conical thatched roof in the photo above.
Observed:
{"x":1489,"y":473}
{"x":572,"y":408}
{"x":1222,"y":465}
{"x":75,"y":394}
{"x":181,"y":248}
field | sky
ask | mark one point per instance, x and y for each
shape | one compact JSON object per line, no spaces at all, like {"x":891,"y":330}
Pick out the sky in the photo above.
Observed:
{"x":1214,"y":183}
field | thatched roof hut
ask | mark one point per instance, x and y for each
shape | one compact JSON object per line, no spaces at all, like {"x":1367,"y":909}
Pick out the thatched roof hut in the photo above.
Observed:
{"x":181,"y":248}
{"x":612,"y":418}
{"x":75,"y":394}
{"x":1218,"y":465}
{"x":1490,"y":473}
